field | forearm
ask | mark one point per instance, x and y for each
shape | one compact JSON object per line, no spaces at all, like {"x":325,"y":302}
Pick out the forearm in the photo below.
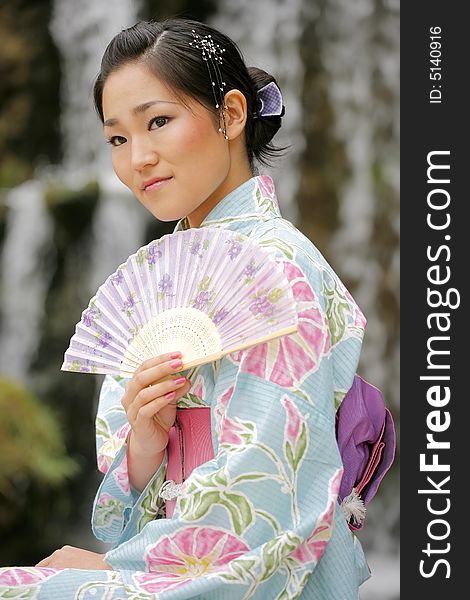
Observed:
{"x":140,"y":465}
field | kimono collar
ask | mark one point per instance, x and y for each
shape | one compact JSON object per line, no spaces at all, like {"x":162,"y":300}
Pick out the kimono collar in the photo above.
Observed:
{"x":253,"y":200}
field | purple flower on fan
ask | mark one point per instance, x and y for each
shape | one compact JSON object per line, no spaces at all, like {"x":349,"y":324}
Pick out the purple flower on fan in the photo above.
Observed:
{"x":250,"y":270}
{"x":88,"y":316}
{"x":153,"y":252}
{"x":129,"y":302}
{"x":195,"y":246}
{"x":104,"y":339}
{"x":117,"y":278}
{"x":165,"y":284}
{"x":201,"y":300}
{"x":220,"y":315}
{"x":234,"y":250}
{"x":261,"y":306}
{"x":85,"y":369}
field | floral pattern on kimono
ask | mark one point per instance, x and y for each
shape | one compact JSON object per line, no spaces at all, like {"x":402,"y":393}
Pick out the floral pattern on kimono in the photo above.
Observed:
{"x":261,"y":519}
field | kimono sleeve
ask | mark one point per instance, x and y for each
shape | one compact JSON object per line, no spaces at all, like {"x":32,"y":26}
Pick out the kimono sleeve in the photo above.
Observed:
{"x":116,"y":501}
{"x":257,"y":518}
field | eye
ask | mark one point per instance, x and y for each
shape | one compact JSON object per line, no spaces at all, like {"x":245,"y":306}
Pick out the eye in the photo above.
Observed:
{"x":159,"y":120}
{"x":115,"y":137}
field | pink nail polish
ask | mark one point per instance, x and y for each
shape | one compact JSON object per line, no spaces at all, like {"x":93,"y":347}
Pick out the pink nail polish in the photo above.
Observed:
{"x":175,"y":355}
{"x":176,"y":363}
{"x":179,"y":380}
{"x":170,"y":395}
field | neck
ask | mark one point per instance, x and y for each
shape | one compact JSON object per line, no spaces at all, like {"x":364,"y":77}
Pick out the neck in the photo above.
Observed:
{"x":234,"y":179}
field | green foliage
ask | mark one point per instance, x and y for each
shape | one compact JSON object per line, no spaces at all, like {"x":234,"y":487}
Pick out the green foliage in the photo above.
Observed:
{"x":31,"y":443}
{"x":13,"y":171}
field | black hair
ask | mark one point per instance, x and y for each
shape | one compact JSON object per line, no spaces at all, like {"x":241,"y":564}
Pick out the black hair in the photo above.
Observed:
{"x":164,"y":47}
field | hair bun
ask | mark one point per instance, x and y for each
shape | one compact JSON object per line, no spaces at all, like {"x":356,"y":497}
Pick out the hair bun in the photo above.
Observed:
{"x":264,"y":127}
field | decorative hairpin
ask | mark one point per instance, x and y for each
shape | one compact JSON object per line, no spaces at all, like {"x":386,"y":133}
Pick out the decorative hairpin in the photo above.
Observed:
{"x":271,"y":101}
{"x":212,"y":55}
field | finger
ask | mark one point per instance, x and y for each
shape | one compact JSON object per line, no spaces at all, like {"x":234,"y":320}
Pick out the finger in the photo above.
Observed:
{"x":156,"y":408}
{"x":158,"y":391}
{"x":44,"y":562}
{"x":152,"y":409}
{"x":152,"y":362}
{"x":156,"y":373}
{"x":149,"y":372}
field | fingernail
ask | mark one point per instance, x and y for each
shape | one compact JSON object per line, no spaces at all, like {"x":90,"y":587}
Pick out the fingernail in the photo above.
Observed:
{"x":175,"y":364}
{"x":175,"y":355}
{"x":179,"y":381}
{"x":170,"y":395}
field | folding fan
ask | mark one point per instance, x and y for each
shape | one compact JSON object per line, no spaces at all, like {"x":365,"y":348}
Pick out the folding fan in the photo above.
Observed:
{"x":206,"y":292}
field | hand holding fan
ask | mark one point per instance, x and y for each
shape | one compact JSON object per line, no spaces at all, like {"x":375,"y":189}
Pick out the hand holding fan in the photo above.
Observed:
{"x":206,"y":292}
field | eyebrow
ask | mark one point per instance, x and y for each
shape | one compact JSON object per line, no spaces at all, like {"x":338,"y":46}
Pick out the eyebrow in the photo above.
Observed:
{"x":138,"y":109}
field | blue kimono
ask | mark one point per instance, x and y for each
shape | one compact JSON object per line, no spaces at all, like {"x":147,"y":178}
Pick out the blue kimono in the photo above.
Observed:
{"x":261,"y":519}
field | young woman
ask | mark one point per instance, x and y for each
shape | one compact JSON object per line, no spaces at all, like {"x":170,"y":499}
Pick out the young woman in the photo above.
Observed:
{"x":186,"y":120}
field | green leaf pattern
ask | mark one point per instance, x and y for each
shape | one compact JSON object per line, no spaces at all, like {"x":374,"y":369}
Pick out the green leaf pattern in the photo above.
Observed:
{"x":152,"y":506}
{"x":276,"y":551}
{"x":202,"y":493}
{"x":295,"y":455}
{"x":19,"y":593}
{"x":109,"y":509}
{"x":102,"y":428}
{"x":338,"y":311}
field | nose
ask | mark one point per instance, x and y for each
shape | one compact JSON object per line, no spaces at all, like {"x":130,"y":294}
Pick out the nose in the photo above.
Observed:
{"x":143,"y":153}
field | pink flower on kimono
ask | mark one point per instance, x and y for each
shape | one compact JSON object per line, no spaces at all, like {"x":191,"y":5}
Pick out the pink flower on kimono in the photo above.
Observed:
{"x":103,"y":499}
{"x":108,"y":451}
{"x":359,"y":318}
{"x":121,"y":476}
{"x":296,"y":435}
{"x":221,"y":405}
{"x":198,"y":387}
{"x":14,"y":576}
{"x":103,"y":464}
{"x":235,"y":433}
{"x":293,"y":421}
{"x":266,"y":186}
{"x":187,"y":554}
{"x":288,"y":360}
{"x":311,"y":550}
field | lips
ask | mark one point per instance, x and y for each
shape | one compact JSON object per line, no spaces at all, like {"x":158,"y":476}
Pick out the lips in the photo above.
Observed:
{"x":153,"y":181}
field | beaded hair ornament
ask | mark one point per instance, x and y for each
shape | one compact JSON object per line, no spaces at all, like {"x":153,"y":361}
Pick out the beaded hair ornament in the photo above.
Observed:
{"x":269,"y":96}
{"x":212,"y":55}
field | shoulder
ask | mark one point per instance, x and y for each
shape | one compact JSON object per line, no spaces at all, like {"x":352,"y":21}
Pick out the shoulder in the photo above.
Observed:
{"x":296,"y":251}
{"x":310,"y":274}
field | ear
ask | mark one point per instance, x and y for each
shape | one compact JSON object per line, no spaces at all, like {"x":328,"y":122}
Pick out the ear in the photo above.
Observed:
{"x":235,"y":113}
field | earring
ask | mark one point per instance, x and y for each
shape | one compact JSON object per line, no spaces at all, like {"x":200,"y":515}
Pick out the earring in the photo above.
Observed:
{"x":224,"y":128}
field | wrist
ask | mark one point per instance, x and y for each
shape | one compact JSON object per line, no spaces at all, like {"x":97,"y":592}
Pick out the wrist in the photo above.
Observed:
{"x":134,"y":446}
{"x":106,"y":566}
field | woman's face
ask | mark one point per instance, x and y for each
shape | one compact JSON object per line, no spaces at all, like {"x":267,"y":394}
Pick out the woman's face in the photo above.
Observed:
{"x":164,"y":139}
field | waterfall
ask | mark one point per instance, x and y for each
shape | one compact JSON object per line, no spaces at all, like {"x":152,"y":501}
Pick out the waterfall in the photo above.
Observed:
{"x":273,"y":47}
{"x":24,"y":278}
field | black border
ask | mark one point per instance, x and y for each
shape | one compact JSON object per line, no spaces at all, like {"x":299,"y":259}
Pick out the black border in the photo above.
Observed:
{"x":427,"y":127}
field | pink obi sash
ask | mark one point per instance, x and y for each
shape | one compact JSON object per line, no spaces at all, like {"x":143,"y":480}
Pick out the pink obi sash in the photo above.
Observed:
{"x":189,"y":446}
